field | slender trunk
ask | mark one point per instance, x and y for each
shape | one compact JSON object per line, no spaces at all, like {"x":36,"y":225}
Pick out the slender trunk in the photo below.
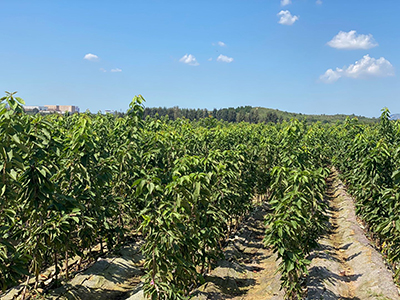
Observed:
{"x":79,"y":263}
{"x":121,"y":224}
{"x":219,"y":244}
{"x":36,"y":281}
{"x":37,"y":270}
{"x":4,"y":182}
{"x":90,"y":253}
{"x":229,"y":229}
{"x":236,"y":223}
{"x":66,"y":263}
{"x":56,"y":266}
{"x":26,"y":285}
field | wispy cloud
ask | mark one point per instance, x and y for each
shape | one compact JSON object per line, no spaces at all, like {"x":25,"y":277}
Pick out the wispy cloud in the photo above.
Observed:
{"x":116,"y":70}
{"x":319,"y":2}
{"x":189,"y":59}
{"x":351,"y":40}
{"x":91,"y":57}
{"x":224,"y":58}
{"x":286,"y":2}
{"x":363,"y":68}
{"x":287,"y":18}
{"x":103,"y":70}
{"x":221,"y":44}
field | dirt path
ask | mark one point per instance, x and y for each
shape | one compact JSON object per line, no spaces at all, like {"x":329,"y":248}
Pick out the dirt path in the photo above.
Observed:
{"x":249,"y":269}
{"x":347,"y":266}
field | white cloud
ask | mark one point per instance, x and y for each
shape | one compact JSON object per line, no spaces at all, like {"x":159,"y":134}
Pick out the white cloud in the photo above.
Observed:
{"x":116,"y":70}
{"x":189,"y":59}
{"x":286,"y":2}
{"x":331,"y":76}
{"x":91,"y":56}
{"x":224,"y":58}
{"x":221,"y":44}
{"x":287,"y":18}
{"x":210,"y":59}
{"x":351,"y":40}
{"x":319,"y":2}
{"x":363,"y":68}
{"x":103,"y":70}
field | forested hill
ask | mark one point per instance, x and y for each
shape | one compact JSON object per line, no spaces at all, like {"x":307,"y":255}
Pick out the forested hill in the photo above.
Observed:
{"x":247,"y":114}
{"x":395,"y":117}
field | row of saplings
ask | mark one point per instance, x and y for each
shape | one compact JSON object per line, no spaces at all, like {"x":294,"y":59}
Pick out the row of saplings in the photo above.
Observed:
{"x":369,"y":160}
{"x":298,"y":216}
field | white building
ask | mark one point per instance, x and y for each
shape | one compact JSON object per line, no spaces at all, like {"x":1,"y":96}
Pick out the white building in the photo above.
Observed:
{"x":61,"y":109}
{"x":35,"y":107}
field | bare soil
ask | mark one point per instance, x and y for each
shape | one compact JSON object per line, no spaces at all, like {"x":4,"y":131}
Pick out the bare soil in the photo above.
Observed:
{"x":347,"y":266}
{"x":249,"y":269}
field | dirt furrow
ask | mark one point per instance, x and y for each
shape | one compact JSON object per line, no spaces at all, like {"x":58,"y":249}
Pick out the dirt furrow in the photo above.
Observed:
{"x":346,"y":266}
{"x":248,"y":271}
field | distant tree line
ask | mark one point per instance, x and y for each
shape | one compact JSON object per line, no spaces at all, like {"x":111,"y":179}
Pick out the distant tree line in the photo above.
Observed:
{"x":247,"y":114}
{"x":231,"y":115}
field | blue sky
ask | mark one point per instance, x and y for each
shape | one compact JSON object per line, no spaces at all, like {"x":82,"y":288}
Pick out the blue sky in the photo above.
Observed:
{"x":307,"y":56}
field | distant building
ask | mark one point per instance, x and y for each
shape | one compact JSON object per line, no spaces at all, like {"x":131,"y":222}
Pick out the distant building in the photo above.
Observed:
{"x":36,"y":108}
{"x":109,"y":111}
{"x":62,"y":109}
